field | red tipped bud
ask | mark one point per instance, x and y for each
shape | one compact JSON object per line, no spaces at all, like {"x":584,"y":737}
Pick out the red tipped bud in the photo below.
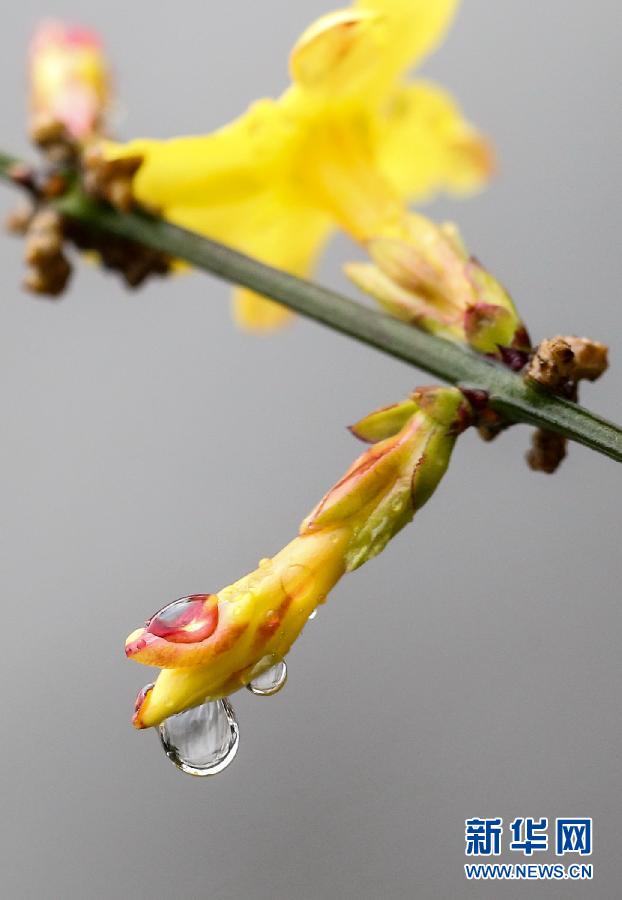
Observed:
{"x":69,"y":80}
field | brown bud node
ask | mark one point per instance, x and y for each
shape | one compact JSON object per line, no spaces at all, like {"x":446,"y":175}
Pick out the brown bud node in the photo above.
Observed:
{"x":52,"y":138}
{"x":547,"y":451}
{"x":563,"y":361}
{"x":111,"y":179}
{"x":49,"y":269}
{"x":552,"y":363}
{"x":51,"y":280}
{"x":590,"y":358}
{"x":558,"y":365}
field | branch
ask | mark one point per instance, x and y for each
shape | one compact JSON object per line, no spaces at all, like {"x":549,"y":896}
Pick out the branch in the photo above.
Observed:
{"x":508,"y":393}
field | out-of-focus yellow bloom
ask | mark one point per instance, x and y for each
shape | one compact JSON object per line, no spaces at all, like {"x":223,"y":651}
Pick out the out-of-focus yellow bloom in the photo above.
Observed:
{"x":69,"y":79}
{"x":345,"y":146}
{"x":424,"y":275}
{"x":209,"y":646}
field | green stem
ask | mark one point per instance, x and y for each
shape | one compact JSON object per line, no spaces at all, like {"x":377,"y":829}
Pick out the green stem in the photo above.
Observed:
{"x":508,"y":393}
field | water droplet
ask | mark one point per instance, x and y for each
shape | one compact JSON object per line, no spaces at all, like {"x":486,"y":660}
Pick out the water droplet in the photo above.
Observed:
{"x":186,"y":621}
{"x":313,"y":615}
{"x":270,"y":681}
{"x":264,"y":563}
{"x":203,"y":740}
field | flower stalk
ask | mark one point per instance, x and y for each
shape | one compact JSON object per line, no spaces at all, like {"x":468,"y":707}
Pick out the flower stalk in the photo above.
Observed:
{"x":507,"y":393}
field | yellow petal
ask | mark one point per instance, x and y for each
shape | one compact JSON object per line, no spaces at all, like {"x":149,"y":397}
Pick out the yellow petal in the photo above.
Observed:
{"x":365,"y":47}
{"x":225,"y":166}
{"x":269,"y":227}
{"x":257,"y":313}
{"x":235,"y":186}
{"x":337,"y":53}
{"x":289,"y":239}
{"x":414,"y":27}
{"x":426,"y":145}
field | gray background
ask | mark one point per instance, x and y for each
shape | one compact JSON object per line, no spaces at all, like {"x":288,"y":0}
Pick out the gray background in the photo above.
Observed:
{"x":150,"y":450}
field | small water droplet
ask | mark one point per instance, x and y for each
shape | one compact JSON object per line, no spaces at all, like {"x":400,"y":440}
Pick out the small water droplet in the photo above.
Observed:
{"x":313,"y":615}
{"x":202,"y":741}
{"x":270,"y":681}
{"x":264,"y":563}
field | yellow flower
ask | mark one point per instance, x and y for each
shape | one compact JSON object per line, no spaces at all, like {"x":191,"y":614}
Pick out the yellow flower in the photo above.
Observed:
{"x":345,"y":147}
{"x":69,"y":81}
{"x":210,"y":645}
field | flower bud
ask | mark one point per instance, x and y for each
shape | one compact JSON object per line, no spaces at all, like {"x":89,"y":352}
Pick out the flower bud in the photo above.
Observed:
{"x":210,"y":645}
{"x":425,"y":276}
{"x":69,"y":79}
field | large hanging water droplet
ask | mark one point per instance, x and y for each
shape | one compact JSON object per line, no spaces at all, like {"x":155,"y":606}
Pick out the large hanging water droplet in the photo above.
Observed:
{"x":269,"y":682}
{"x":203,"y":740}
{"x":313,"y":615}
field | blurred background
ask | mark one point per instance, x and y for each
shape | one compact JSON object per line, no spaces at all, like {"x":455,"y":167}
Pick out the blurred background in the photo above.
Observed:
{"x":150,"y":450}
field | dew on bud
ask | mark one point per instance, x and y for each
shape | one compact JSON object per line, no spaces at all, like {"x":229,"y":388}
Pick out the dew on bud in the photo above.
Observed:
{"x":203,"y":740}
{"x":269,"y":681}
{"x":186,"y":621}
